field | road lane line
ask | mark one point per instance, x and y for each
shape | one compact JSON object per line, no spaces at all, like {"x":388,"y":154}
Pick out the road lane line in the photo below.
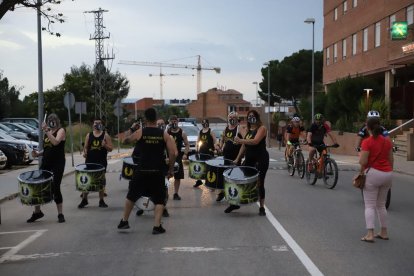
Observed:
{"x":9,"y":254}
{"x":302,"y":256}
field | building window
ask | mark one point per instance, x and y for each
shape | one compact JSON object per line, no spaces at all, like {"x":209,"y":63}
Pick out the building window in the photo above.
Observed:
{"x":328,"y":56}
{"x":335,"y":52}
{"x":345,"y":6}
{"x":354,"y":3}
{"x":344,"y":49}
{"x":410,"y":15}
{"x":354,"y":44}
{"x":392,"y":20}
{"x":335,"y":14}
{"x":365,"y":40}
{"x":377,"y":34}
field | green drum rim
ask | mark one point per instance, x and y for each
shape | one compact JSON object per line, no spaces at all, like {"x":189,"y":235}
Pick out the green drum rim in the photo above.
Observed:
{"x":37,"y":181}
{"x":84,"y":170}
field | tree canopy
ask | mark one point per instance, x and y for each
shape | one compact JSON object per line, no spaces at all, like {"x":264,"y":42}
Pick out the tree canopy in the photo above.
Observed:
{"x":9,"y":99}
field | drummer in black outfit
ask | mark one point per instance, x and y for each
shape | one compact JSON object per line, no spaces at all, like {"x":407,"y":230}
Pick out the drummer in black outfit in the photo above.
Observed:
{"x":206,"y":143}
{"x":149,"y":177}
{"x":256,"y":155}
{"x":97,"y":145}
{"x":179,"y":137}
{"x":53,"y":161}
{"x":227,"y":145}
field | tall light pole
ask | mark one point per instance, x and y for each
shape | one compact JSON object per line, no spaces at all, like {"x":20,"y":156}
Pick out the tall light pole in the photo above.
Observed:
{"x":367,"y":101}
{"x":257,"y":92}
{"x":309,"y":21}
{"x":268,"y":103}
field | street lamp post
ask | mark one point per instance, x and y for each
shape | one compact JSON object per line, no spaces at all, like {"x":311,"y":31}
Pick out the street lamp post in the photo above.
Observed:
{"x":268,"y":103}
{"x":312,"y":21}
{"x":367,"y":100}
{"x":257,"y":93}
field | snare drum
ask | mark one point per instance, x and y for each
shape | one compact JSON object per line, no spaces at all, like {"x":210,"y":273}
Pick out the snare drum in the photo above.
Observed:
{"x":240,"y":185}
{"x":90,"y":177}
{"x":197,"y":165}
{"x":128,"y":168}
{"x":215,"y":169}
{"x":35,"y":187}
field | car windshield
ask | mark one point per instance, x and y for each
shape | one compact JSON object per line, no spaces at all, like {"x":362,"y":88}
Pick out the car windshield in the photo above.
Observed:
{"x":4,"y":136}
{"x":190,"y":130}
{"x":5,"y":128}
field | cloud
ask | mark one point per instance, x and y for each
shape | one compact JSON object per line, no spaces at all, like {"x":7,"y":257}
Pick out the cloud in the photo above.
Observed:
{"x":9,"y":45}
{"x":49,"y":41}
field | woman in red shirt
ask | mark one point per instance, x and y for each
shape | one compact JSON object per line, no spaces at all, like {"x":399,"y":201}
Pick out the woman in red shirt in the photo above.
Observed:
{"x":377,"y":155}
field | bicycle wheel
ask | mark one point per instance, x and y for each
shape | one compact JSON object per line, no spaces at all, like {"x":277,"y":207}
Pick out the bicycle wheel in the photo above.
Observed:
{"x":330,"y":173}
{"x":388,"y":202}
{"x":291,"y":166}
{"x":300,"y":164}
{"x":310,"y":176}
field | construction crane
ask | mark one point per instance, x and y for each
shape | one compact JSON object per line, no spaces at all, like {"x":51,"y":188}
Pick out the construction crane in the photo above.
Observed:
{"x":198,"y":67}
{"x":161,"y":75}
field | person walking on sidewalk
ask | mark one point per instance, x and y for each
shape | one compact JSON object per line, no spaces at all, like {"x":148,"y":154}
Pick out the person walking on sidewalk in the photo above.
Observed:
{"x":53,"y":160}
{"x":180,"y":138}
{"x":206,"y":143}
{"x":149,"y":176}
{"x":256,"y":155}
{"x":227,"y":144}
{"x":98,"y":144}
{"x":376,"y":161}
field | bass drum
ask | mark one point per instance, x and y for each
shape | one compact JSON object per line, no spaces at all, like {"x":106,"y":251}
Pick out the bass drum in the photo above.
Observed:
{"x":197,"y":167}
{"x":128,"y":168}
{"x":35,"y":187}
{"x":215,"y":169}
{"x":240,"y":185}
{"x":89,"y":177}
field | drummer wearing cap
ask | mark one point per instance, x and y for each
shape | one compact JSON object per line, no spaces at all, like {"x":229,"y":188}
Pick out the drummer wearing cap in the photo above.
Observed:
{"x":256,"y":155}
{"x":179,"y":137}
{"x":97,"y":145}
{"x":53,"y":160}
{"x":151,"y":142}
{"x":227,"y":145}
{"x":206,"y":143}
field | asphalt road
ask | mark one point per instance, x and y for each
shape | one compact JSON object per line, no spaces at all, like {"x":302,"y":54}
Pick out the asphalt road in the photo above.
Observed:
{"x":308,"y":230}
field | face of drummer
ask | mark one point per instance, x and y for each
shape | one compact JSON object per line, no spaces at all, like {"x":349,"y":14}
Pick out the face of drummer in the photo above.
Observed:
{"x":173,"y":123}
{"x":233,"y":120}
{"x":97,"y":125}
{"x":161,"y":124}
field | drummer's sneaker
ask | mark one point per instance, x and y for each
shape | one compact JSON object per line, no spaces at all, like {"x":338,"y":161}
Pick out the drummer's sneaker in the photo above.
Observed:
{"x":61,"y":218}
{"x":123,"y":224}
{"x":102,"y":204}
{"x":158,"y":230}
{"x":83,"y":203}
{"x":140,"y":212}
{"x":35,"y":216}
{"x":198,"y":183}
{"x":262,"y":211}
{"x":220,"y":197}
{"x":165,"y":213}
{"x":231,"y":208}
{"x":176,"y":197}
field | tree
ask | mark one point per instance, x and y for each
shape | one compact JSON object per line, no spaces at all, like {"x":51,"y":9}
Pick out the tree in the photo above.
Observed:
{"x":9,"y":99}
{"x":46,"y":10}
{"x":291,"y":78}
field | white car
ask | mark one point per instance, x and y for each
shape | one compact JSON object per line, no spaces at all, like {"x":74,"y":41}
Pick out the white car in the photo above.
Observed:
{"x":3,"y":160}
{"x":30,"y":145}
{"x":192,"y":135}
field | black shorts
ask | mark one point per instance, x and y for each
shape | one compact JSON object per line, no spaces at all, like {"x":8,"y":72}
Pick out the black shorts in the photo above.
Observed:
{"x":147,"y":184}
{"x":180,"y":173}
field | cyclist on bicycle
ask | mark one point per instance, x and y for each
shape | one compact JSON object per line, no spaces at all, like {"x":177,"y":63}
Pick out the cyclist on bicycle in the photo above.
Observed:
{"x":316,"y":134}
{"x":363,"y":132}
{"x":294,"y":132}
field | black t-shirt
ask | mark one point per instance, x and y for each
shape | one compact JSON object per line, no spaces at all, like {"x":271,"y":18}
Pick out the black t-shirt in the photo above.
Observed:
{"x":178,"y":138}
{"x":151,"y":148}
{"x":207,"y":145}
{"x":230,"y":150}
{"x":96,"y":152}
{"x":318,"y":133}
{"x":254,"y":152}
{"x":53,"y":153}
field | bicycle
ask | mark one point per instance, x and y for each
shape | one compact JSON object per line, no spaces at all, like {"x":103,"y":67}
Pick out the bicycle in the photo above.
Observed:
{"x":296,"y":161}
{"x":322,"y":167}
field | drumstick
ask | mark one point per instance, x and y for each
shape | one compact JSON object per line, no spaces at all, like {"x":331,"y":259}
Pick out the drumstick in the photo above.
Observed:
{"x":237,"y":133}
{"x":44,"y":119}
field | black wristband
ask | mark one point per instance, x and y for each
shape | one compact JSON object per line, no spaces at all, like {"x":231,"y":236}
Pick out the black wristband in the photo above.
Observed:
{"x":132,"y":129}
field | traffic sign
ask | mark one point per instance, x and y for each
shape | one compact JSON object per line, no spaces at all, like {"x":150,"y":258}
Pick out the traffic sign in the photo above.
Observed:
{"x":69,"y":100}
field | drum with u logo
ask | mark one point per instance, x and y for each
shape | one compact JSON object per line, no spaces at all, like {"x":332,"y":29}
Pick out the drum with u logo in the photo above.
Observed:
{"x":240,"y":185}
{"x":215,"y":169}
{"x":90,"y":177}
{"x":35,"y":187}
{"x":197,"y":167}
{"x":128,"y":168}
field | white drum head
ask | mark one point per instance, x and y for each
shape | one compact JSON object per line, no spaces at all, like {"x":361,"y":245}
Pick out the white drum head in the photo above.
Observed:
{"x":145,"y":203}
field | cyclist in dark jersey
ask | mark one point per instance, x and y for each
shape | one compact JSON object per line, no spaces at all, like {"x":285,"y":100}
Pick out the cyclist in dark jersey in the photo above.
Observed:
{"x":293,"y":133}
{"x":256,"y":155}
{"x":53,"y":161}
{"x":149,"y":177}
{"x":316,"y":134}
{"x":97,"y":145}
{"x":363,"y":132}
{"x":206,"y":143}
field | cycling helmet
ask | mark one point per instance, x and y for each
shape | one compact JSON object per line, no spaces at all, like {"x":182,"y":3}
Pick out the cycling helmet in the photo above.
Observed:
{"x":318,"y":116}
{"x":373,"y":114}
{"x":295,"y":119}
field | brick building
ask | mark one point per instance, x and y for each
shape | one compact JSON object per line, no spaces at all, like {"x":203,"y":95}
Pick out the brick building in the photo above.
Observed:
{"x":215,"y":104}
{"x":357,"y":41}
{"x":137,"y":106}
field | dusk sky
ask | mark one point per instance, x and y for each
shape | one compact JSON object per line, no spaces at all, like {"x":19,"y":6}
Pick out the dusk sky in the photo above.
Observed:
{"x":236,"y":35}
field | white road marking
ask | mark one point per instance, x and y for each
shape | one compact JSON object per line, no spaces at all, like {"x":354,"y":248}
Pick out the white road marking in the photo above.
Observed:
{"x":189,"y":249}
{"x":35,"y":256}
{"x":306,"y":261}
{"x":9,"y":254}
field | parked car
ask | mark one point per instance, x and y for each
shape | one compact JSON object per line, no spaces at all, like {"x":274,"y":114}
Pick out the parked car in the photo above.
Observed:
{"x":33,"y":135}
{"x":12,"y":133}
{"x":31,"y":145}
{"x":188,"y":120}
{"x":17,"y":152}
{"x":218,"y":130}
{"x":32,"y":121}
{"x":3,"y":160}
{"x":192,"y":135}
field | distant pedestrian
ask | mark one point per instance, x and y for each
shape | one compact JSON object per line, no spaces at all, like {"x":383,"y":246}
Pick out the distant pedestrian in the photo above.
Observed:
{"x":53,"y":160}
{"x":377,"y":157}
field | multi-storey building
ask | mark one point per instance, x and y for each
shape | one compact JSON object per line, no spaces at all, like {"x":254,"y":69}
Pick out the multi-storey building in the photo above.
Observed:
{"x":357,"y":41}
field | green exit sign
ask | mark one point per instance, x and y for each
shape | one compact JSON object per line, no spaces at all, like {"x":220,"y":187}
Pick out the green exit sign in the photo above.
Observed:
{"x":399,"y":30}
